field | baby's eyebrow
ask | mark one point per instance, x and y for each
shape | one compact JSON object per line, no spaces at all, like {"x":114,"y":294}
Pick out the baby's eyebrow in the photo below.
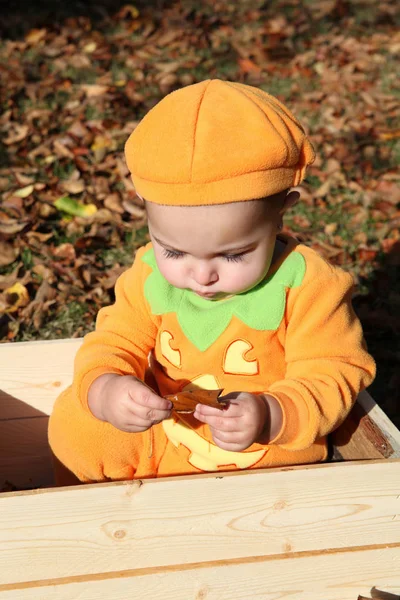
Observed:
{"x":237,"y":250}
{"x":165,"y":245}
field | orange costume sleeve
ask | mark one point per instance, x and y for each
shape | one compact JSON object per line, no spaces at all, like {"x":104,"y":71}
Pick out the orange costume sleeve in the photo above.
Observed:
{"x":125,"y":334}
{"x":326,"y":357}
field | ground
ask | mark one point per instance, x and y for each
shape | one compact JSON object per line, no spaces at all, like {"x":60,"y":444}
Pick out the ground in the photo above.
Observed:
{"x":78,"y":76}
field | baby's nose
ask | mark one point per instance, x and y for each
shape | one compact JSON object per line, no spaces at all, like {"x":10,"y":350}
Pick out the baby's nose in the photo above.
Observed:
{"x":205,"y":274}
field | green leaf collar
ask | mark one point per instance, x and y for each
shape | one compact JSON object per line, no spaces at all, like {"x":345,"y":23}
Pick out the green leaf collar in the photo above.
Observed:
{"x":203,"y":321}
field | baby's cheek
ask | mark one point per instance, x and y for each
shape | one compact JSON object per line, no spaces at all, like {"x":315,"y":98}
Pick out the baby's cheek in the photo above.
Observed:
{"x":172,"y":271}
{"x":244,"y":277}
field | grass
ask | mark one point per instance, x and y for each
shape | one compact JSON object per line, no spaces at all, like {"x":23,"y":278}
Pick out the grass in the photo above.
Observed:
{"x":69,"y":321}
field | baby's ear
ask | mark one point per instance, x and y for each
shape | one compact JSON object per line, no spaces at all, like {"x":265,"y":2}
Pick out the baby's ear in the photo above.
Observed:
{"x":291,"y":199}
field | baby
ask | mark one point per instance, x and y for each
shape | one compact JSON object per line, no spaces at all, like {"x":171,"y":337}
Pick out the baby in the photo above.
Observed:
{"x":218,"y":300}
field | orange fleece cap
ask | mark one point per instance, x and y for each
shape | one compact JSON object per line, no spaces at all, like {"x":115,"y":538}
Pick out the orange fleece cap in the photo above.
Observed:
{"x":215,"y":142}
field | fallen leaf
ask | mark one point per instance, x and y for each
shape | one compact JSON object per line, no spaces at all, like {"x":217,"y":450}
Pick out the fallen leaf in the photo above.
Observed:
{"x":16,"y":296}
{"x":17,"y":134}
{"x":62,"y":150}
{"x":90,"y":48}
{"x":136,"y":211}
{"x":65,"y":252}
{"x":128,"y":10}
{"x":366,"y":254}
{"x":389,"y":135}
{"x":12,"y":226}
{"x":330,"y":228}
{"x":23,"y":179}
{"x":167,"y":82}
{"x":94,"y":90}
{"x":73,"y":187}
{"x":35,"y":35}
{"x":24,"y":192}
{"x":8,"y":253}
{"x":101,"y":145}
{"x":248,"y":66}
{"x":113,"y":202}
{"x":74,"y":207}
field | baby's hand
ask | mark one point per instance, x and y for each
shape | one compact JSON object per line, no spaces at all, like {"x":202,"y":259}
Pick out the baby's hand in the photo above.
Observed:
{"x":240,"y":424}
{"x":127,"y":403}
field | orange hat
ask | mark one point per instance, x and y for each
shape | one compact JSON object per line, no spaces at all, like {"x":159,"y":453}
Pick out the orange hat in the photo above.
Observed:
{"x":216,"y":142}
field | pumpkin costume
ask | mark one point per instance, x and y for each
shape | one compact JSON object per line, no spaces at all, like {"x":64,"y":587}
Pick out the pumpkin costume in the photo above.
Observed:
{"x":293,"y":336}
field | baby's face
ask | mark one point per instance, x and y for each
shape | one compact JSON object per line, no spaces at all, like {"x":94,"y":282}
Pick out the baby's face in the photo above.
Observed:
{"x":218,"y":250}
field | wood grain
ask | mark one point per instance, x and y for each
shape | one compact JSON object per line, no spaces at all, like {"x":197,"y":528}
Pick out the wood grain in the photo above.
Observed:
{"x":341,"y":576}
{"x":156,"y":523}
{"x":35,"y":372}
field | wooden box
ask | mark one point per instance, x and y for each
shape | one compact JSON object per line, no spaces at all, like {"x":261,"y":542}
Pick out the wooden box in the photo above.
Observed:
{"x":321,"y":532}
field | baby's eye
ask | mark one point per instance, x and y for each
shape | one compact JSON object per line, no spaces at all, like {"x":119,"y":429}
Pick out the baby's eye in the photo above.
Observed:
{"x":172,"y":253}
{"x":234,"y":257}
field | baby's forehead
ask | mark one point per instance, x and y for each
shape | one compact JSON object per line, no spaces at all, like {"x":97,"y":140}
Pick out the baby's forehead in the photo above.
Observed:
{"x":249,"y":209}
{"x":217,"y":225}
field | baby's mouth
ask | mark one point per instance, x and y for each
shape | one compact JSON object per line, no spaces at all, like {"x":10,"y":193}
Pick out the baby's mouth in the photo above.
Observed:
{"x":206,"y":294}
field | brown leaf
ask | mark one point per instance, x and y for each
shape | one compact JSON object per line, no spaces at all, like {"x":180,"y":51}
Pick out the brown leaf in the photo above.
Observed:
{"x":45,"y":292}
{"x":186,"y":402}
{"x":248,"y":66}
{"x":12,"y":226}
{"x":17,"y":134}
{"x":8,"y":253}
{"x":168,"y":67}
{"x":136,"y":211}
{"x":165,"y":39}
{"x":113,"y":202}
{"x":24,"y":179}
{"x":62,"y":150}
{"x":4,"y":183}
{"x":35,"y":35}
{"x":9,"y":279}
{"x":167,"y":82}
{"x":324,"y":189}
{"x":73,"y":187}
{"x":330,"y":228}
{"x":366,"y":254}
{"x":94,"y":90}
{"x":394,"y":134}
{"x":65,"y":252}
{"x":37,"y":240}
{"x":43,"y":272}
{"x":112,"y":276}
{"x":78,"y":130}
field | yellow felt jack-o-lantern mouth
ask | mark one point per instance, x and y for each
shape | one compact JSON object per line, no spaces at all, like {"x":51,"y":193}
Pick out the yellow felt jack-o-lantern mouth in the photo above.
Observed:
{"x":205,"y":455}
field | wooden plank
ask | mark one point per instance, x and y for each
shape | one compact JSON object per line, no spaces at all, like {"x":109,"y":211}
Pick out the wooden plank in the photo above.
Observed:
{"x":338,"y":576}
{"x":36,"y":373}
{"x":366,"y":433}
{"x":379,"y":417}
{"x":25,"y":460}
{"x":157,"y":523}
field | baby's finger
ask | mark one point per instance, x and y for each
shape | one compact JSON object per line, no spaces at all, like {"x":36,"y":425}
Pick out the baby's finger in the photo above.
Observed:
{"x":148,"y":399}
{"x":148,"y":414}
{"x":232,"y":446}
{"x":231,"y":437}
{"x":218,"y":422}
{"x":230,"y":410}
